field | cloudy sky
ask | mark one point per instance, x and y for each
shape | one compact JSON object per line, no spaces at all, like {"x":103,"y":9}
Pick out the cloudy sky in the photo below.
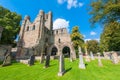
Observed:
{"x":66,"y":13}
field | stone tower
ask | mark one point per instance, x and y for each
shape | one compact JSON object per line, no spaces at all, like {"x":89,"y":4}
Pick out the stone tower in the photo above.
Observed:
{"x":37,"y":34}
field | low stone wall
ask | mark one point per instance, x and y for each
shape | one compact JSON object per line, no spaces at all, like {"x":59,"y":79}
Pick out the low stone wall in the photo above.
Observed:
{"x":26,"y":53}
{"x":114,"y":56}
{"x":25,"y":61}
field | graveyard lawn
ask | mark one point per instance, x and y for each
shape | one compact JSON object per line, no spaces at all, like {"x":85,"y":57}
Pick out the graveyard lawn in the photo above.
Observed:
{"x":18,"y":71}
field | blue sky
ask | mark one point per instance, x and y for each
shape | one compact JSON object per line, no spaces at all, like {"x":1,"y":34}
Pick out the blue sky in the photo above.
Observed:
{"x":68,"y":12}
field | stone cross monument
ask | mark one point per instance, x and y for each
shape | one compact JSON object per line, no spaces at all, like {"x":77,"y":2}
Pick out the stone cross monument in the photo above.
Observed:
{"x":81,"y":62}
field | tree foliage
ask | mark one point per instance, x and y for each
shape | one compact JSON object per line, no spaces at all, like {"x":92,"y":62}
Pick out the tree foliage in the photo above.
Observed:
{"x":110,"y":38}
{"x":10,"y":21}
{"x":104,"y":11}
{"x":76,"y":38}
{"x":107,"y":12}
{"x":92,"y":45}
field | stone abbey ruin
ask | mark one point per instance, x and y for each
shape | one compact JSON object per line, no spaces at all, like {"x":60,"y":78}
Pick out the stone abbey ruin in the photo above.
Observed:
{"x":38,"y":38}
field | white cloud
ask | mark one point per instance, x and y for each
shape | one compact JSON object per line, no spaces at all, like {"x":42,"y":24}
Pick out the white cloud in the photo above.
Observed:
{"x":93,"y":33}
{"x":60,"y":23}
{"x":87,"y":39}
{"x":81,"y":4}
{"x":98,"y":39}
{"x":71,"y":3}
{"x":61,"y":1}
{"x":93,"y":39}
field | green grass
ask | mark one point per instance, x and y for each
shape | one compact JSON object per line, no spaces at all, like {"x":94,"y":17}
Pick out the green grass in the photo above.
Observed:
{"x":18,"y":71}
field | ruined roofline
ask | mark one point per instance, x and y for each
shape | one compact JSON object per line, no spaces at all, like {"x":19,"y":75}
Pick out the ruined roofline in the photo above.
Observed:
{"x":41,"y":12}
{"x":59,"y":29}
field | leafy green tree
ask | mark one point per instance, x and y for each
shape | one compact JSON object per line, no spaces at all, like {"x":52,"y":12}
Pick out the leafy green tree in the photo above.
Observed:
{"x":77,"y":38}
{"x":92,"y":45}
{"x":107,"y":12}
{"x":104,"y":11}
{"x":110,"y":38}
{"x":10,"y":21}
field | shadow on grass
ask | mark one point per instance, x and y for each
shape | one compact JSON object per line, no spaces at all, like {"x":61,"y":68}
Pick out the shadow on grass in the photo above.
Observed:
{"x":86,"y":64}
{"x":68,"y":70}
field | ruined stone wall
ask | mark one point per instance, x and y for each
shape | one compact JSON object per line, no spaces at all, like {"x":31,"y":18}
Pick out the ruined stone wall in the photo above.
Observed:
{"x":31,"y":36}
{"x":37,"y":34}
{"x":63,"y":35}
{"x":34,"y":31}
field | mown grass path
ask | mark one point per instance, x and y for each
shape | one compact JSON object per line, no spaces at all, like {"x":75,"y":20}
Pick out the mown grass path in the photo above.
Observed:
{"x":18,"y":71}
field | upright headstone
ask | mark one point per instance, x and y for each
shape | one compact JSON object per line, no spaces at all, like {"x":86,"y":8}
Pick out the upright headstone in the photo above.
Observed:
{"x":115,"y":58}
{"x":87,"y":58}
{"x":32,"y":60}
{"x":92,"y":56}
{"x":81,"y":62}
{"x":47,"y":63}
{"x":42,"y":58}
{"x":99,"y":60}
{"x":71,"y":59}
{"x":7,"y":57}
{"x":61,"y":65}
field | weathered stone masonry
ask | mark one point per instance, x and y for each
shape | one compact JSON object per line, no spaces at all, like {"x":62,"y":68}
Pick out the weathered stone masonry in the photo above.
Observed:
{"x":41,"y":37}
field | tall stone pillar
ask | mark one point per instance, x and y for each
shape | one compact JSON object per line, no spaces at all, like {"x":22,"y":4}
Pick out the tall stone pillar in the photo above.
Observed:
{"x":61,"y":65}
{"x":81,"y":61}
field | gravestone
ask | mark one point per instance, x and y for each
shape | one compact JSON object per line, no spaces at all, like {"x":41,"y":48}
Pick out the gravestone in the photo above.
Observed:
{"x":115,"y":58}
{"x":61,"y":65}
{"x":47,"y":63}
{"x":7,"y":57}
{"x":71,"y":59}
{"x":99,"y":60}
{"x":31,"y":60}
{"x":81,"y":62}
{"x":92,"y":56}
{"x":42,"y":58}
{"x":87,"y":57}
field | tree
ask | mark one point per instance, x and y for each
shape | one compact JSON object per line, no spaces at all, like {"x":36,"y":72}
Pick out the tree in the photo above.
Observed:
{"x":104,"y":11}
{"x":10,"y":21}
{"x":77,"y":38}
{"x":110,"y":38}
{"x":92,"y":45}
{"x":107,"y":12}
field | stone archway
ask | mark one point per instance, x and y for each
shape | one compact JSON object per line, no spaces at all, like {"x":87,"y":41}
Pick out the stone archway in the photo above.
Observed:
{"x":54,"y":51}
{"x":71,"y":48}
{"x":66,"y":51}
